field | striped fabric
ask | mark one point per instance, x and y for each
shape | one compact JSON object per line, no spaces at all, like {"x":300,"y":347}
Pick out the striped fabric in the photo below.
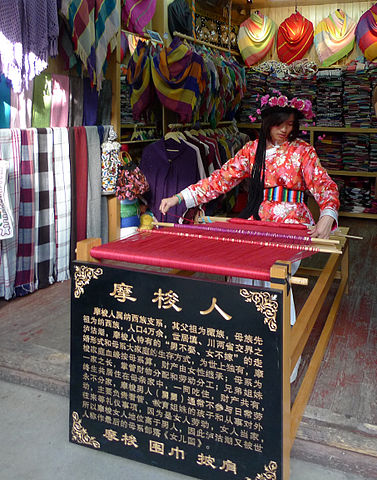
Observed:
{"x":256,"y":37}
{"x":62,"y":202}
{"x":25,"y":255}
{"x":45,"y":242}
{"x":140,"y":80}
{"x":366,"y":33}
{"x":136,"y":14}
{"x":282,"y":194}
{"x":334,"y":37}
{"x":295,"y":37}
{"x":10,"y":146}
{"x":179,"y":78}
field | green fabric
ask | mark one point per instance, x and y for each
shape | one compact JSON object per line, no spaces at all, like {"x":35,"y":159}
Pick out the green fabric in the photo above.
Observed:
{"x":129,"y":210}
{"x":42,"y":101}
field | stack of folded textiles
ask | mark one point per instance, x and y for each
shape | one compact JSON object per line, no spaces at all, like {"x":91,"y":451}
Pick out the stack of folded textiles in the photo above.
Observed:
{"x":256,"y":86}
{"x":357,"y":99}
{"x":356,"y":195}
{"x":329,"y":108}
{"x":329,"y":151}
{"x":356,"y":152}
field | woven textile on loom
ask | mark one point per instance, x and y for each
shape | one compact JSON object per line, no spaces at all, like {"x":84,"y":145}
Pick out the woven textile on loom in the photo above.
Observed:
{"x":256,"y":37}
{"x":140,"y":79}
{"x":179,"y":78}
{"x":334,"y":37}
{"x":93,"y":25}
{"x":239,"y":248}
{"x":366,"y":33}
{"x":295,"y":37}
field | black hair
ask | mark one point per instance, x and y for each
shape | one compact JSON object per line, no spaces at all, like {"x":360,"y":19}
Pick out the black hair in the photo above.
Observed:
{"x":271,"y":117}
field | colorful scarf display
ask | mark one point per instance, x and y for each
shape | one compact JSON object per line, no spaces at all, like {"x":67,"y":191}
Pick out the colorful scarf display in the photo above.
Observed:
{"x":136,"y":14}
{"x":24,"y":283}
{"x":140,"y":79}
{"x":29,"y":33}
{"x":62,"y":202}
{"x":179,"y":78}
{"x":334,"y":37}
{"x":295,"y":37}
{"x":256,"y":37}
{"x":93,"y":25}
{"x":366,"y":33}
{"x":10,"y":145}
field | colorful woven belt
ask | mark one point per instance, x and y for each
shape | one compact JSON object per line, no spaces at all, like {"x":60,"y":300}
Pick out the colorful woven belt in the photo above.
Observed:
{"x":282,"y":194}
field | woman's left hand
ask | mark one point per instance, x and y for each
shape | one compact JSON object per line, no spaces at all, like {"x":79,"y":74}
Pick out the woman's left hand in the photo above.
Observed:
{"x":323,"y":227}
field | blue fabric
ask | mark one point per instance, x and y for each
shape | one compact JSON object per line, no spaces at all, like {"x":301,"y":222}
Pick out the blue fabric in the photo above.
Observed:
{"x":4,"y":102}
{"x":130,"y":221}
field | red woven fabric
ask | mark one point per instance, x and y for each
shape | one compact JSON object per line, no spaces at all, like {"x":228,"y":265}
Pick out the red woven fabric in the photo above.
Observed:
{"x":81,"y":151}
{"x":222,"y":257}
{"x":295,"y":37}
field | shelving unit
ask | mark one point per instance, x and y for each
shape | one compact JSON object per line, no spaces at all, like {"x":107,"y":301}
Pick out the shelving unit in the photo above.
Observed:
{"x":345,"y":173}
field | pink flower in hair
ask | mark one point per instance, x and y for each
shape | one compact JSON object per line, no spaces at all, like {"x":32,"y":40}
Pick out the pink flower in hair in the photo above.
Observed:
{"x":273,"y":102}
{"x":308,"y":106}
{"x":259,"y":111}
{"x":264,"y":100}
{"x":298,"y":103}
{"x":276,"y":91}
{"x":252,"y":119}
{"x":282,"y":101}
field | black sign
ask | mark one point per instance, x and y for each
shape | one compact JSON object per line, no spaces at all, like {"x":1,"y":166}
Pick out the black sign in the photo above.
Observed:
{"x":178,"y":373}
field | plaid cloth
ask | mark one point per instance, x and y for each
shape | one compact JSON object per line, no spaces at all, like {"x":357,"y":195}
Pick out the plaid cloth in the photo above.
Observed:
{"x":6,"y":215}
{"x":25,"y":255}
{"x":62,"y":202}
{"x":10,"y":145}
{"x":45,"y":243}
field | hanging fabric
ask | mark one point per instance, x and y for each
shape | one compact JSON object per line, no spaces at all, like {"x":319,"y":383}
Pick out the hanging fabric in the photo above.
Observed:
{"x":93,"y":223}
{"x":30,"y":31}
{"x":366,"y":33}
{"x":41,"y":115}
{"x":294,"y":38}
{"x":179,"y":18}
{"x":59,"y":100}
{"x":21,"y":107}
{"x":256,"y":37}
{"x":6,"y":215}
{"x":5,"y":102}
{"x":62,"y":202}
{"x":10,"y":145}
{"x":136,"y":14}
{"x":90,"y":104}
{"x":110,"y":163}
{"x":76,"y":101}
{"x":334,"y":37}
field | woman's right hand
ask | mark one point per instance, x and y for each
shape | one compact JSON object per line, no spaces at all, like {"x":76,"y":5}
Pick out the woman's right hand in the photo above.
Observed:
{"x":167,"y":203}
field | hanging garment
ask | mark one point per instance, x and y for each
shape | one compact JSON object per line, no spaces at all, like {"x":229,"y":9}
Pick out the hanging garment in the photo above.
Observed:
{"x":295,"y":37}
{"x":29,"y":33}
{"x":41,"y":115}
{"x":136,"y":14}
{"x":76,"y":101}
{"x":62,"y":203}
{"x":104,"y":104}
{"x":59,"y":101}
{"x":110,"y":163}
{"x":81,"y":180}
{"x":90,"y":104}
{"x":366,"y":33}
{"x":5,"y":102}
{"x":45,"y":241}
{"x":256,"y":37}
{"x":72,"y":158}
{"x":168,"y":166}
{"x":21,"y":107}
{"x":179,"y":78}
{"x":93,"y":223}
{"x":24,"y":282}
{"x":10,"y":145}
{"x":140,"y":79}
{"x":334,"y":37}
{"x":179,"y":18}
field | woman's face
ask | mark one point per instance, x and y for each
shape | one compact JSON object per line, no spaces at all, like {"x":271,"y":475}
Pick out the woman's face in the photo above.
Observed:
{"x":280,"y":133}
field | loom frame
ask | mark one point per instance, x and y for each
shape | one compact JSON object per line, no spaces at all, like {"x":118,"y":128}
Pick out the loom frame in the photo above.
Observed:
{"x":294,"y":338}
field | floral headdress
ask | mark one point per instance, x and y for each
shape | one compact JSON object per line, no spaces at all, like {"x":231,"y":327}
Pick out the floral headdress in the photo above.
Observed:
{"x":267,"y":101}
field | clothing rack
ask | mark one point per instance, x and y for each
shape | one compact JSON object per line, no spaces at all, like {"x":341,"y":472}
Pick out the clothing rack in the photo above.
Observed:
{"x":201,"y":42}
{"x":201,"y":125}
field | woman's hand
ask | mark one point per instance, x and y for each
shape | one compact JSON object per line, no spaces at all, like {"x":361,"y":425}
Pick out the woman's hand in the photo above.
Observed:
{"x":323,"y":227}
{"x":167,"y":203}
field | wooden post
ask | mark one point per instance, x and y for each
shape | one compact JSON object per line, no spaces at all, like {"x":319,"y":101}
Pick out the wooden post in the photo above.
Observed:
{"x":83,"y":249}
{"x":279,"y":274}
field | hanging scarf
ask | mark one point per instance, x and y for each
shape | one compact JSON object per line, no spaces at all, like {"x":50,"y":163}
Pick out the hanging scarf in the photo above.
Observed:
{"x":10,"y":145}
{"x":136,"y":14}
{"x":5,"y":102}
{"x":41,"y":115}
{"x":59,"y":101}
{"x":256,"y":37}
{"x":140,"y":80}
{"x":334,"y":37}
{"x":179,"y":18}
{"x":295,"y":37}
{"x":29,"y":32}
{"x":179,"y":78}
{"x":6,"y":215}
{"x":45,"y":242}
{"x":366,"y":33}
{"x":24,"y":283}
{"x":62,"y":202}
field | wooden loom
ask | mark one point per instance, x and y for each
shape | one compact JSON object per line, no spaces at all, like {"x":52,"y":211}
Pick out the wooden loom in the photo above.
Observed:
{"x":182,"y":250}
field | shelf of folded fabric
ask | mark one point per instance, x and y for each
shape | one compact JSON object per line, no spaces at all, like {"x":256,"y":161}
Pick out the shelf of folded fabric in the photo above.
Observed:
{"x":350,"y":173}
